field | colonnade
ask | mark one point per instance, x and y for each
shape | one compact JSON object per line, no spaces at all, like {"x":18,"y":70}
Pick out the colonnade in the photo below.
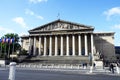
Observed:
{"x":64,"y":45}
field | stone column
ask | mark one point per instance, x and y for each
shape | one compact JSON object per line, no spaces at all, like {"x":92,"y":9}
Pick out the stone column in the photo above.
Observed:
{"x":67,"y":45}
{"x":45,"y":45}
{"x":40,"y":45}
{"x":73,"y":45}
{"x":56,"y":46}
{"x":79,"y":45}
{"x":50,"y":46}
{"x":86,"y":46}
{"x":29,"y":45}
{"x":92,"y":45}
{"x":34,"y":46}
{"x":61,"y":46}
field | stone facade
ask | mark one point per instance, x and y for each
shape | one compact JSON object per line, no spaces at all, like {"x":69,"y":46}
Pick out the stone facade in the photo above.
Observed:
{"x":104,"y":45}
{"x":67,"y":40}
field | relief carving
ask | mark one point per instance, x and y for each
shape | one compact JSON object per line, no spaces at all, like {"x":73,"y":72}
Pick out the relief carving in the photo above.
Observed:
{"x":61,"y":26}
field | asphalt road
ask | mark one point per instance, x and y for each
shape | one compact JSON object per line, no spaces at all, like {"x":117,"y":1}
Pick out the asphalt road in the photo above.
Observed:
{"x":51,"y":75}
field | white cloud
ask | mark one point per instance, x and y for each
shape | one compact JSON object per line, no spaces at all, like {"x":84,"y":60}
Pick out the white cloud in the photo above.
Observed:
{"x":27,"y":11}
{"x":20,"y":21}
{"x":4,"y":30}
{"x":37,"y":1}
{"x":30,"y":12}
{"x":39,"y":17}
{"x":116,"y":26}
{"x":112,"y":12}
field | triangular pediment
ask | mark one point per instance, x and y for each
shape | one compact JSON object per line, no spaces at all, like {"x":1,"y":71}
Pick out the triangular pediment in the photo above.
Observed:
{"x":61,"y":25}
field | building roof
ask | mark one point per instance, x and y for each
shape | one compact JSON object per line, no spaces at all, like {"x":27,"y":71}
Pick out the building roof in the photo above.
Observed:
{"x":104,"y":32}
{"x":24,"y":36}
{"x":58,"y":22}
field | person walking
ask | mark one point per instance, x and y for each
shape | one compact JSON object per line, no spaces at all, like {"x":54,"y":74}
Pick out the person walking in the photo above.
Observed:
{"x":94,"y":65}
{"x":112,"y":68}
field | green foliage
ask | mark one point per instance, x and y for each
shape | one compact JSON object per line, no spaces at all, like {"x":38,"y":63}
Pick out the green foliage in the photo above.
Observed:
{"x":23,"y":52}
{"x":1,"y":55}
{"x":12,"y":35}
{"x":7,"y":48}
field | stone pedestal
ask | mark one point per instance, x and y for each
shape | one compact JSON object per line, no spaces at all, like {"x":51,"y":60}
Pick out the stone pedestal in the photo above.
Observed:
{"x":99,"y":63}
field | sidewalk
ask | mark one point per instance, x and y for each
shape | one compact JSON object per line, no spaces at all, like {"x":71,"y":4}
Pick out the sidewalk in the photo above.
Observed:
{"x":73,"y":71}
{"x":1,"y":68}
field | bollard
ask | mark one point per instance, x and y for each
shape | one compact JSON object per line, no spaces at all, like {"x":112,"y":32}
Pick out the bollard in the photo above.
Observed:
{"x":117,"y":69}
{"x":52,"y":66}
{"x":12,"y":71}
{"x":71,"y":66}
{"x":91,"y":69}
{"x":65,"y":66}
{"x":78,"y":66}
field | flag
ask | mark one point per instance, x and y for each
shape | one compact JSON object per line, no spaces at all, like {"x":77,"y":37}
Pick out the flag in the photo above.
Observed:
{"x":8,"y":40}
{"x":3,"y":40}
{"x":0,"y":40}
{"x":1,"y":46}
{"x":12,"y":40}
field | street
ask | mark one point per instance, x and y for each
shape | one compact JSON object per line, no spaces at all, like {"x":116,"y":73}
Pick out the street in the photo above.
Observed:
{"x":55,"y":75}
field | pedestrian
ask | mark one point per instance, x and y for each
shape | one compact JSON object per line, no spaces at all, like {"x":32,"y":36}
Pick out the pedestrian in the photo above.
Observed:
{"x":94,"y":65}
{"x":83,"y":65}
{"x":112,"y":68}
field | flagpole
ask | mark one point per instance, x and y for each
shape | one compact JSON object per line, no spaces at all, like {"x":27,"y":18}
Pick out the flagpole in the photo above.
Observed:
{"x":5,"y":50}
{"x":1,"y":47}
{"x":5,"y":46}
{"x":13,"y":46}
{"x":9,"y":50}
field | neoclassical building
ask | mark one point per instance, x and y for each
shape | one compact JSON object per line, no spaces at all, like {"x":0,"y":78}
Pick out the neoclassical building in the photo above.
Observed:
{"x":66,"y":41}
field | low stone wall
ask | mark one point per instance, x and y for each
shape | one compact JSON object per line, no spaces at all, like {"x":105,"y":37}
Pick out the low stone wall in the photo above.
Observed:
{"x":2,"y":62}
{"x":51,"y":66}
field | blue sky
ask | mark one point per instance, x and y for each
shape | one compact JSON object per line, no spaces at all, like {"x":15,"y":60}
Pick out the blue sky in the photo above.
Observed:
{"x":19,"y":16}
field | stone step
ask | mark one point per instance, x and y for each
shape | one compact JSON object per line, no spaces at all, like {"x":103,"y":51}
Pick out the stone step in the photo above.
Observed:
{"x":58,"y":59}
{"x":61,"y":58}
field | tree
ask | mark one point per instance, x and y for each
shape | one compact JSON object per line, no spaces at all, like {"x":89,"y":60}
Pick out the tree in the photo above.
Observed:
{"x":8,"y":48}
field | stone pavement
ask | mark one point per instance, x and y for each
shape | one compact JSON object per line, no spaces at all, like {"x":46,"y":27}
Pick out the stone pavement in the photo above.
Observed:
{"x":58,"y":74}
{"x":73,"y":71}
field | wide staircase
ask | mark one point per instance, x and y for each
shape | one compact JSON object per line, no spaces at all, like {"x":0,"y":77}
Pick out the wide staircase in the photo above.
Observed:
{"x":57,"y":60}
